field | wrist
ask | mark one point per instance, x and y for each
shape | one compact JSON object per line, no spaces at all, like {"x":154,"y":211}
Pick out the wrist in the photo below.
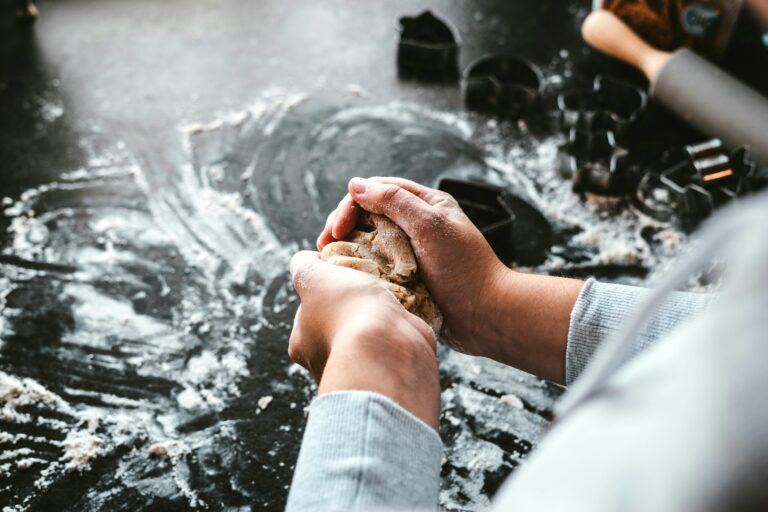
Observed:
{"x":390,"y":358}
{"x":530,"y":321}
{"x":490,"y":319}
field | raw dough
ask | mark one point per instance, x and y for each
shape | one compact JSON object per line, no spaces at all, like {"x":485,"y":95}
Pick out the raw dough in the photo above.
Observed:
{"x":377,"y":246}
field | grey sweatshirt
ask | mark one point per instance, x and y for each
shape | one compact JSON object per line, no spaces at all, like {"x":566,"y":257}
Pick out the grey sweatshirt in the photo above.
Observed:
{"x":680,"y":424}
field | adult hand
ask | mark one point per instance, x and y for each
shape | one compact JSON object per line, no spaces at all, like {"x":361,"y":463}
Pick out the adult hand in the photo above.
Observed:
{"x":457,"y":264}
{"x":489,"y":310}
{"x":351,"y":333}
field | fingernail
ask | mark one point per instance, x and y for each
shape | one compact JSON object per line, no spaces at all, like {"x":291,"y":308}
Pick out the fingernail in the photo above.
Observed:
{"x":358,"y":185}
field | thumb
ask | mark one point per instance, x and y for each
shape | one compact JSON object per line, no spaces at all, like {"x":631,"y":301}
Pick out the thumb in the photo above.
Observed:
{"x":404,"y":208}
{"x":305,"y":266}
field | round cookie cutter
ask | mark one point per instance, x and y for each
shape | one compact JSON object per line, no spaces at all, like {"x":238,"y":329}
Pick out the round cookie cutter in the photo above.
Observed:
{"x":505,"y":86}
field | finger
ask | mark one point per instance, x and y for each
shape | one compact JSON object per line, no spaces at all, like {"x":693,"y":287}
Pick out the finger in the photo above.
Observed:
{"x":304,"y":267}
{"x":330,"y":219}
{"x":430,"y":195}
{"x":325,"y":236}
{"x":346,"y":218}
{"x":407,"y":210}
{"x":324,"y":239}
{"x":359,"y":264}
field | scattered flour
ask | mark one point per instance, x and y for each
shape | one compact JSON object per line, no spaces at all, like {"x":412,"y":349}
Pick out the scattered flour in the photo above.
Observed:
{"x":264,"y":402}
{"x":81,"y":447}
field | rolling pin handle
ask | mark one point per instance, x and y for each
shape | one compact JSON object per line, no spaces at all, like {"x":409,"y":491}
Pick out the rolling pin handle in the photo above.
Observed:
{"x":604,"y":31}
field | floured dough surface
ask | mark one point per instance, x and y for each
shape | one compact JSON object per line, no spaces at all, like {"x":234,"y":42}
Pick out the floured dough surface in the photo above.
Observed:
{"x":377,"y":246}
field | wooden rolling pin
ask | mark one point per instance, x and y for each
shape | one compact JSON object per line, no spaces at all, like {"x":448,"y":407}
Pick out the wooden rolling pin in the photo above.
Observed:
{"x":703,"y":95}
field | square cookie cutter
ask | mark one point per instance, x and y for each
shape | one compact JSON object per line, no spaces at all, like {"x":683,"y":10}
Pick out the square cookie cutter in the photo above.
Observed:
{"x":513,"y":227}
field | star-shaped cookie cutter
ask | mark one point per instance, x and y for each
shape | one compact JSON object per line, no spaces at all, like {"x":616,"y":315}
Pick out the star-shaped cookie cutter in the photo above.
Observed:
{"x":708,"y":178}
{"x":593,"y":162}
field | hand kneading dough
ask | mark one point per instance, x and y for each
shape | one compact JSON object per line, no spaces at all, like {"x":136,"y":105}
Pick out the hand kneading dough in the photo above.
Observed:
{"x":380,"y":248}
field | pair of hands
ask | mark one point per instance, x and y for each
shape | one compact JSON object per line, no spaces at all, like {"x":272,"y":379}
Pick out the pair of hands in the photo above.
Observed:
{"x":351,"y":333}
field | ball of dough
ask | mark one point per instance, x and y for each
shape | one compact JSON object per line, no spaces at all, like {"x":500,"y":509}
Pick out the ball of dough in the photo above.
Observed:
{"x":377,"y":246}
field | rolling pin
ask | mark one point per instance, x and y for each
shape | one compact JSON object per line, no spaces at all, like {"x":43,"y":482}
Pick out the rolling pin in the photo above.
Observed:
{"x":705,"y":96}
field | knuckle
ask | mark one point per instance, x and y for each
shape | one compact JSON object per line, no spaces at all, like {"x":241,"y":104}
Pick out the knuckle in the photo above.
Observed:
{"x":438,"y":219}
{"x":294,"y":261}
{"x":295,"y":274}
{"x":299,"y":268}
{"x":294,"y":342}
{"x":426,"y":331}
{"x":294,"y":353}
{"x":449,"y":200}
{"x":428,"y":223}
{"x":389,"y":193}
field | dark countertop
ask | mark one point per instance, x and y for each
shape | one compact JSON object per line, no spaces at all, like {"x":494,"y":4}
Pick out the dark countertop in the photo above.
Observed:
{"x":161,"y":161}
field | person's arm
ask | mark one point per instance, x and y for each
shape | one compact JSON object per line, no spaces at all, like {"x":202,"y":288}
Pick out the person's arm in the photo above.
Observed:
{"x":532,"y":322}
{"x":602,"y":310}
{"x":371,"y":440}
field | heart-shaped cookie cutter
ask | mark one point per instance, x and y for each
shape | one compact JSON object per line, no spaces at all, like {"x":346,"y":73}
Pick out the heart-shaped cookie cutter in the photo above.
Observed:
{"x":610,"y":104}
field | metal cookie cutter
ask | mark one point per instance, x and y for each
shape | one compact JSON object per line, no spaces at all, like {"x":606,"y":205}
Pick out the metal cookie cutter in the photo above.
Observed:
{"x":610,"y":104}
{"x":708,"y":178}
{"x":501,"y":85}
{"x":428,"y":48}
{"x":593,"y":162}
{"x":514,"y":229}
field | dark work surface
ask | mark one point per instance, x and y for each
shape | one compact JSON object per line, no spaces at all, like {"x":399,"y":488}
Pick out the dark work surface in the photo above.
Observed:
{"x":142,"y":279}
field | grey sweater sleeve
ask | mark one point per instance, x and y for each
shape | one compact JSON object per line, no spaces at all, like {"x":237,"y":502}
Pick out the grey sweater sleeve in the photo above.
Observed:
{"x":602,"y":309}
{"x":362,"y":451}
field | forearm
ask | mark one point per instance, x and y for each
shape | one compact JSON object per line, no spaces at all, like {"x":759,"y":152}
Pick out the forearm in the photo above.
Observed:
{"x":371,"y":440}
{"x":367,"y":445}
{"x":391,"y":362}
{"x":528,"y":322}
{"x":552,"y":326}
